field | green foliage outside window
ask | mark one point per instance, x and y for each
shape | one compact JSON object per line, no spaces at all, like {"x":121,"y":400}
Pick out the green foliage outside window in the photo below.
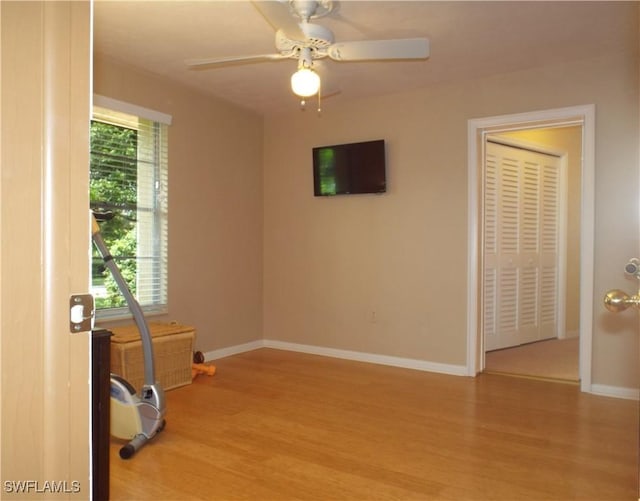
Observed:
{"x":113,"y":187}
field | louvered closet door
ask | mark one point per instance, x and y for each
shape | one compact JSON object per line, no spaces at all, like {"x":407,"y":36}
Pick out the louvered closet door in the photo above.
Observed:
{"x":521,"y":224}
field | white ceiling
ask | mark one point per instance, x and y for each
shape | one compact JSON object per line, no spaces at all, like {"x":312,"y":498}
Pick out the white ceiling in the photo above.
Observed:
{"x":468,"y":39}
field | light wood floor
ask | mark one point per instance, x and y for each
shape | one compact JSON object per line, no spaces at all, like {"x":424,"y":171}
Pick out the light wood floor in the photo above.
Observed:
{"x":275,"y":425}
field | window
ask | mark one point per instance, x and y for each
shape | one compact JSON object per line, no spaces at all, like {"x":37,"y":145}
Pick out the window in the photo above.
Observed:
{"x":128,"y":177}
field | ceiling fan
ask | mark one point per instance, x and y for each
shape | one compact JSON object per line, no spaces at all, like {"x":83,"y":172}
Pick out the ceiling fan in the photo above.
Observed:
{"x":298,"y":38}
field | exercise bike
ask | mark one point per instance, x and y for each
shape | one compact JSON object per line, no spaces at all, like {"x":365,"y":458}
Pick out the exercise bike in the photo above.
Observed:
{"x":134,"y":417}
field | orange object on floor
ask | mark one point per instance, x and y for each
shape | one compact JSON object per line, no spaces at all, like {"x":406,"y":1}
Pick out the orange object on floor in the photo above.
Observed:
{"x":196,"y":369}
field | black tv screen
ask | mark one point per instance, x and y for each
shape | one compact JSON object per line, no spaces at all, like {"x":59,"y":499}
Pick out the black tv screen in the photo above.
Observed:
{"x":345,"y":169}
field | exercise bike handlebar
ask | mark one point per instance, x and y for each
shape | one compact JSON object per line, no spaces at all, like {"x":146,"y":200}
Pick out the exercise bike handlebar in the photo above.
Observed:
{"x":134,"y":306}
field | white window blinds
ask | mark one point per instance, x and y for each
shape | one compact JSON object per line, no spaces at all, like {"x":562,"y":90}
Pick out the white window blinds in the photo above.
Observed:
{"x":129,"y":178}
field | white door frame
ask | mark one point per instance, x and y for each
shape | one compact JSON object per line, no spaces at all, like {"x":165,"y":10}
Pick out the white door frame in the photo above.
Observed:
{"x":477,"y":130}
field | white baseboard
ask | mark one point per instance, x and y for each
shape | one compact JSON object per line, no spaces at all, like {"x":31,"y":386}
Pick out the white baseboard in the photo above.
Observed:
{"x":233,"y":350}
{"x":406,"y":363}
{"x":615,"y":391}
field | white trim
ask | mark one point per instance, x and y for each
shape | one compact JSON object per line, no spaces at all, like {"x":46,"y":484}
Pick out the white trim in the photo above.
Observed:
{"x":372,"y":358}
{"x":476,"y":130}
{"x":405,"y":363}
{"x":615,"y":391}
{"x":131,"y":109}
{"x":475,"y":343}
{"x":587,"y":244}
{"x":233,"y":350}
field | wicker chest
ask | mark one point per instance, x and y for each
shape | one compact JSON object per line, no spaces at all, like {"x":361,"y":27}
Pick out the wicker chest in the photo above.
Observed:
{"x":173,"y":354}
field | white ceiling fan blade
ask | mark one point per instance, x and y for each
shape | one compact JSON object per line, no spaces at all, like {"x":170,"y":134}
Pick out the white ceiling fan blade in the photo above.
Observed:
{"x":195,"y":64}
{"x":278,"y":15}
{"x":368,"y":50}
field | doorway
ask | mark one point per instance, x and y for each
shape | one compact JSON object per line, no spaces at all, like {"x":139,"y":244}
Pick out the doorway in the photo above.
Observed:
{"x":531,"y":252}
{"x":575,"y":318}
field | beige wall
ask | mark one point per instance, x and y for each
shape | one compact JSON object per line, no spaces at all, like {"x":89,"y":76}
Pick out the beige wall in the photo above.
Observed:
{"x":567,"y":140}
{"x":330,"y":263}
{"x":215,"y":205}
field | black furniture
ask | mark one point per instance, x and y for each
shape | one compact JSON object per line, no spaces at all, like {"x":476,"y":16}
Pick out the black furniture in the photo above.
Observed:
{"x":100,"y":414}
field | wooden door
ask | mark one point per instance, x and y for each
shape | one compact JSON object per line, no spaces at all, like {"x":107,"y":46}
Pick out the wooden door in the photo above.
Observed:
{"x":522,"y":194}
{"x":44,"y":251}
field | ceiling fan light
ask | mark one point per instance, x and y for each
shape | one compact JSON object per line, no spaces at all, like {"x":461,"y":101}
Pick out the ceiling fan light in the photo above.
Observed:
{"x":305,"y":82}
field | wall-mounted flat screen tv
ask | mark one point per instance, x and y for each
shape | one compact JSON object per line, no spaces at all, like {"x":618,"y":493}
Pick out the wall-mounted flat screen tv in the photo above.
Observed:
{"x":346,"y":169}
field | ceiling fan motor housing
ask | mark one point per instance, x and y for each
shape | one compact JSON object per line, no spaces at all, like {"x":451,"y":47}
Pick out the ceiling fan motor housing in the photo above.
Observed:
{"x":318,"y":40}
{"x":309,"y":9}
